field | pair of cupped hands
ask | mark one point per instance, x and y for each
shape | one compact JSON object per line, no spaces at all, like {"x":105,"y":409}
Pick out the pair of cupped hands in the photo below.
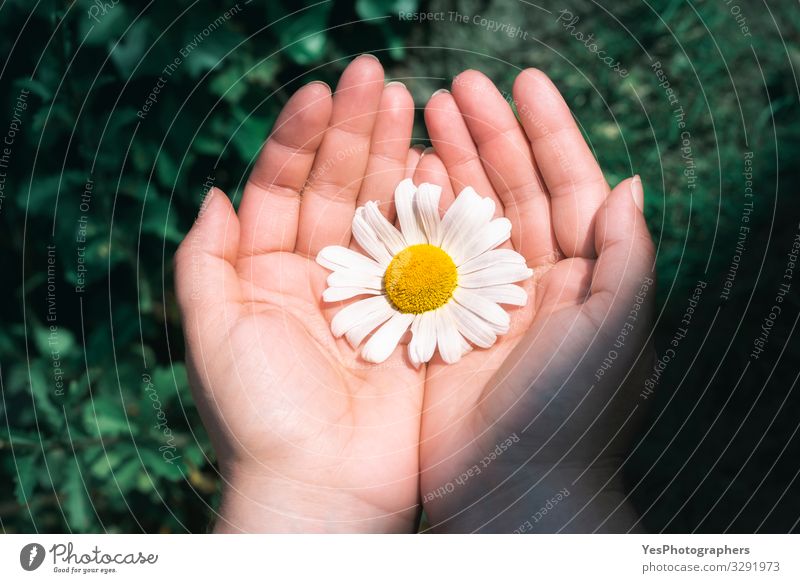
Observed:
{"x":309,"y":437}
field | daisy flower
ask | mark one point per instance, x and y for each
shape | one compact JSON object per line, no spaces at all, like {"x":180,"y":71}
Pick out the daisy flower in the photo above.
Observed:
{"x":441,"y":277}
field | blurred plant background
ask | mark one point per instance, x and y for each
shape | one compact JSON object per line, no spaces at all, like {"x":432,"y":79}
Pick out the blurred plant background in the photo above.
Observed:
{"x":98,"y":430}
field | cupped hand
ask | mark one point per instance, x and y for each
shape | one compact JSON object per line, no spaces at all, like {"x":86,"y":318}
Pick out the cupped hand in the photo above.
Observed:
{"x":308,"y":436}
{"x":552,"y":404}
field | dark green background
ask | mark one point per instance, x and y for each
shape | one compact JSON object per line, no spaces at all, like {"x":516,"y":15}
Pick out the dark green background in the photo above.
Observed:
{"x":721,"y":449}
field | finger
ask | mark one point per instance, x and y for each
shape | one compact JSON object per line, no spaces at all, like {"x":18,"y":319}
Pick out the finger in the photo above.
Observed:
{"x":391,"y":139}
{"x":453,"y":143}
{"x":412,"y":159}
{"x":271,"y":203}
{"x":506,"y":155}
{"x":431,"y":169}
{"x":206,"y":283}
{"x":572,"y":176}
{"x":626,"y":255}
{"x":329,"y":200}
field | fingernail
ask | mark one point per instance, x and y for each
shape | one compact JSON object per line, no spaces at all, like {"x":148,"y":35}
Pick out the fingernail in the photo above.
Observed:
{"x":638,"y":192}
{"x":395,"y":83}
{"x":371,"y":56}
{"x":321,"y":83}
{"x":439,"y":92}
{"x":419,"y":148}
{"x":426,"y":151}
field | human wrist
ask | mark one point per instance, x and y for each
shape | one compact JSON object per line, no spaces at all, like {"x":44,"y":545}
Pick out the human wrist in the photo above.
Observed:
{"x":256,"y":503}
{"x":569,"y":497}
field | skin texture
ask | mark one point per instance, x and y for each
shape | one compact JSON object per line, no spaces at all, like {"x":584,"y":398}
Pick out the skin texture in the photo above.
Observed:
{"x":312,"y":438}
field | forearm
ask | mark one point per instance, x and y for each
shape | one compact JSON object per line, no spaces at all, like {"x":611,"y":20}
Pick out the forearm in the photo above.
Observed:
{"x":541,"y":499}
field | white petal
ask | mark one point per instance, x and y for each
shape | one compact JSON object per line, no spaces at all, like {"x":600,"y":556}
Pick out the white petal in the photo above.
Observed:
{"x":386,"y":232}
{"x":360,"y":312}
{"x":404,"y":203}
{"x":337,"y":257}
{"x":464,"y":221}
{"x":354,"y":278}
{"x":492,"y":257}
{"x":337,"y":294}
{"x":381,"y":345}
{"x":473,"y":327}
{"x":489,"y":237}
{"x":466,"y":347}
{"x":427,"y":210}
{"x":368,"y":239}
{"x":498,"y":274}
{"x":486,"y":309}
{"x":423,"y":339}
{"x":375,"y":318}
{"x":505,"y":294}
{"x":447,"y":337}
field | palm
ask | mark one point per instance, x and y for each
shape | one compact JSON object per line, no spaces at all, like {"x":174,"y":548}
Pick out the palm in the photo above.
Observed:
{"x":466,"y":412}
{"x":560,"y":289}
{"x":308,"y":390}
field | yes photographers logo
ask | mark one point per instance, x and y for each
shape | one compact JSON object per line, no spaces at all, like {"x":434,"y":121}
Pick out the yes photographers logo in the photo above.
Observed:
{"x":31,"y":556}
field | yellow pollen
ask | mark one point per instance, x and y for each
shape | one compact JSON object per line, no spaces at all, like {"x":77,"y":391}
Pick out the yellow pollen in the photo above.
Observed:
{"x":420,"y":278}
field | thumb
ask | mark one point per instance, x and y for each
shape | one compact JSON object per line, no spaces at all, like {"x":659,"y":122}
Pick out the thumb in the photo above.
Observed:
{"x":206,"y":282}
{"x":624,"y":274}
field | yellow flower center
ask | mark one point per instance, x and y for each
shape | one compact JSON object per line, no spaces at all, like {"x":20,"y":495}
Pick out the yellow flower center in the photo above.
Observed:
{"x":420,"y":278}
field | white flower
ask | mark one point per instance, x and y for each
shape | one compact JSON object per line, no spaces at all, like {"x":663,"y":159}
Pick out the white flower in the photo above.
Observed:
{"x":441,"y":277}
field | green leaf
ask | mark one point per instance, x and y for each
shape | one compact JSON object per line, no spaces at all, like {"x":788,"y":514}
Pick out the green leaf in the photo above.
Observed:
{"x":42,"y":387}
{"x":52,"y":340}
{"x":128,"y":53}
{"x":106,"y":416}
{"x":158,"y":465}
{"x":145,"y":482}
{"x":98,"y":26}
{"x":118,"y":460}
{"x":25,"y":478}
{"x":394,"y":42}
{"x":44,"y":191}
{"x":194,"y":454}
{"x":207,"y":144}
{"x":171,"y":380}
{"x":123,"y":119}
{"x":106,"y":461}
{"x":303,"y":36}
{"x":376,"y":8}
{"x":250,"y":136}
{"x":127,"y":474}
{"x":76,"y":504}
{"x":52,"y":474}
{"x":209,"y":51}
{"x":159,"y":221}
{"x":228,"y":85}
{"x":264,"y":72}
{"x":99,"y":257}
{"x":166,"y":168}
{"x":240,"y":73}
{"x":36,"y":87}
